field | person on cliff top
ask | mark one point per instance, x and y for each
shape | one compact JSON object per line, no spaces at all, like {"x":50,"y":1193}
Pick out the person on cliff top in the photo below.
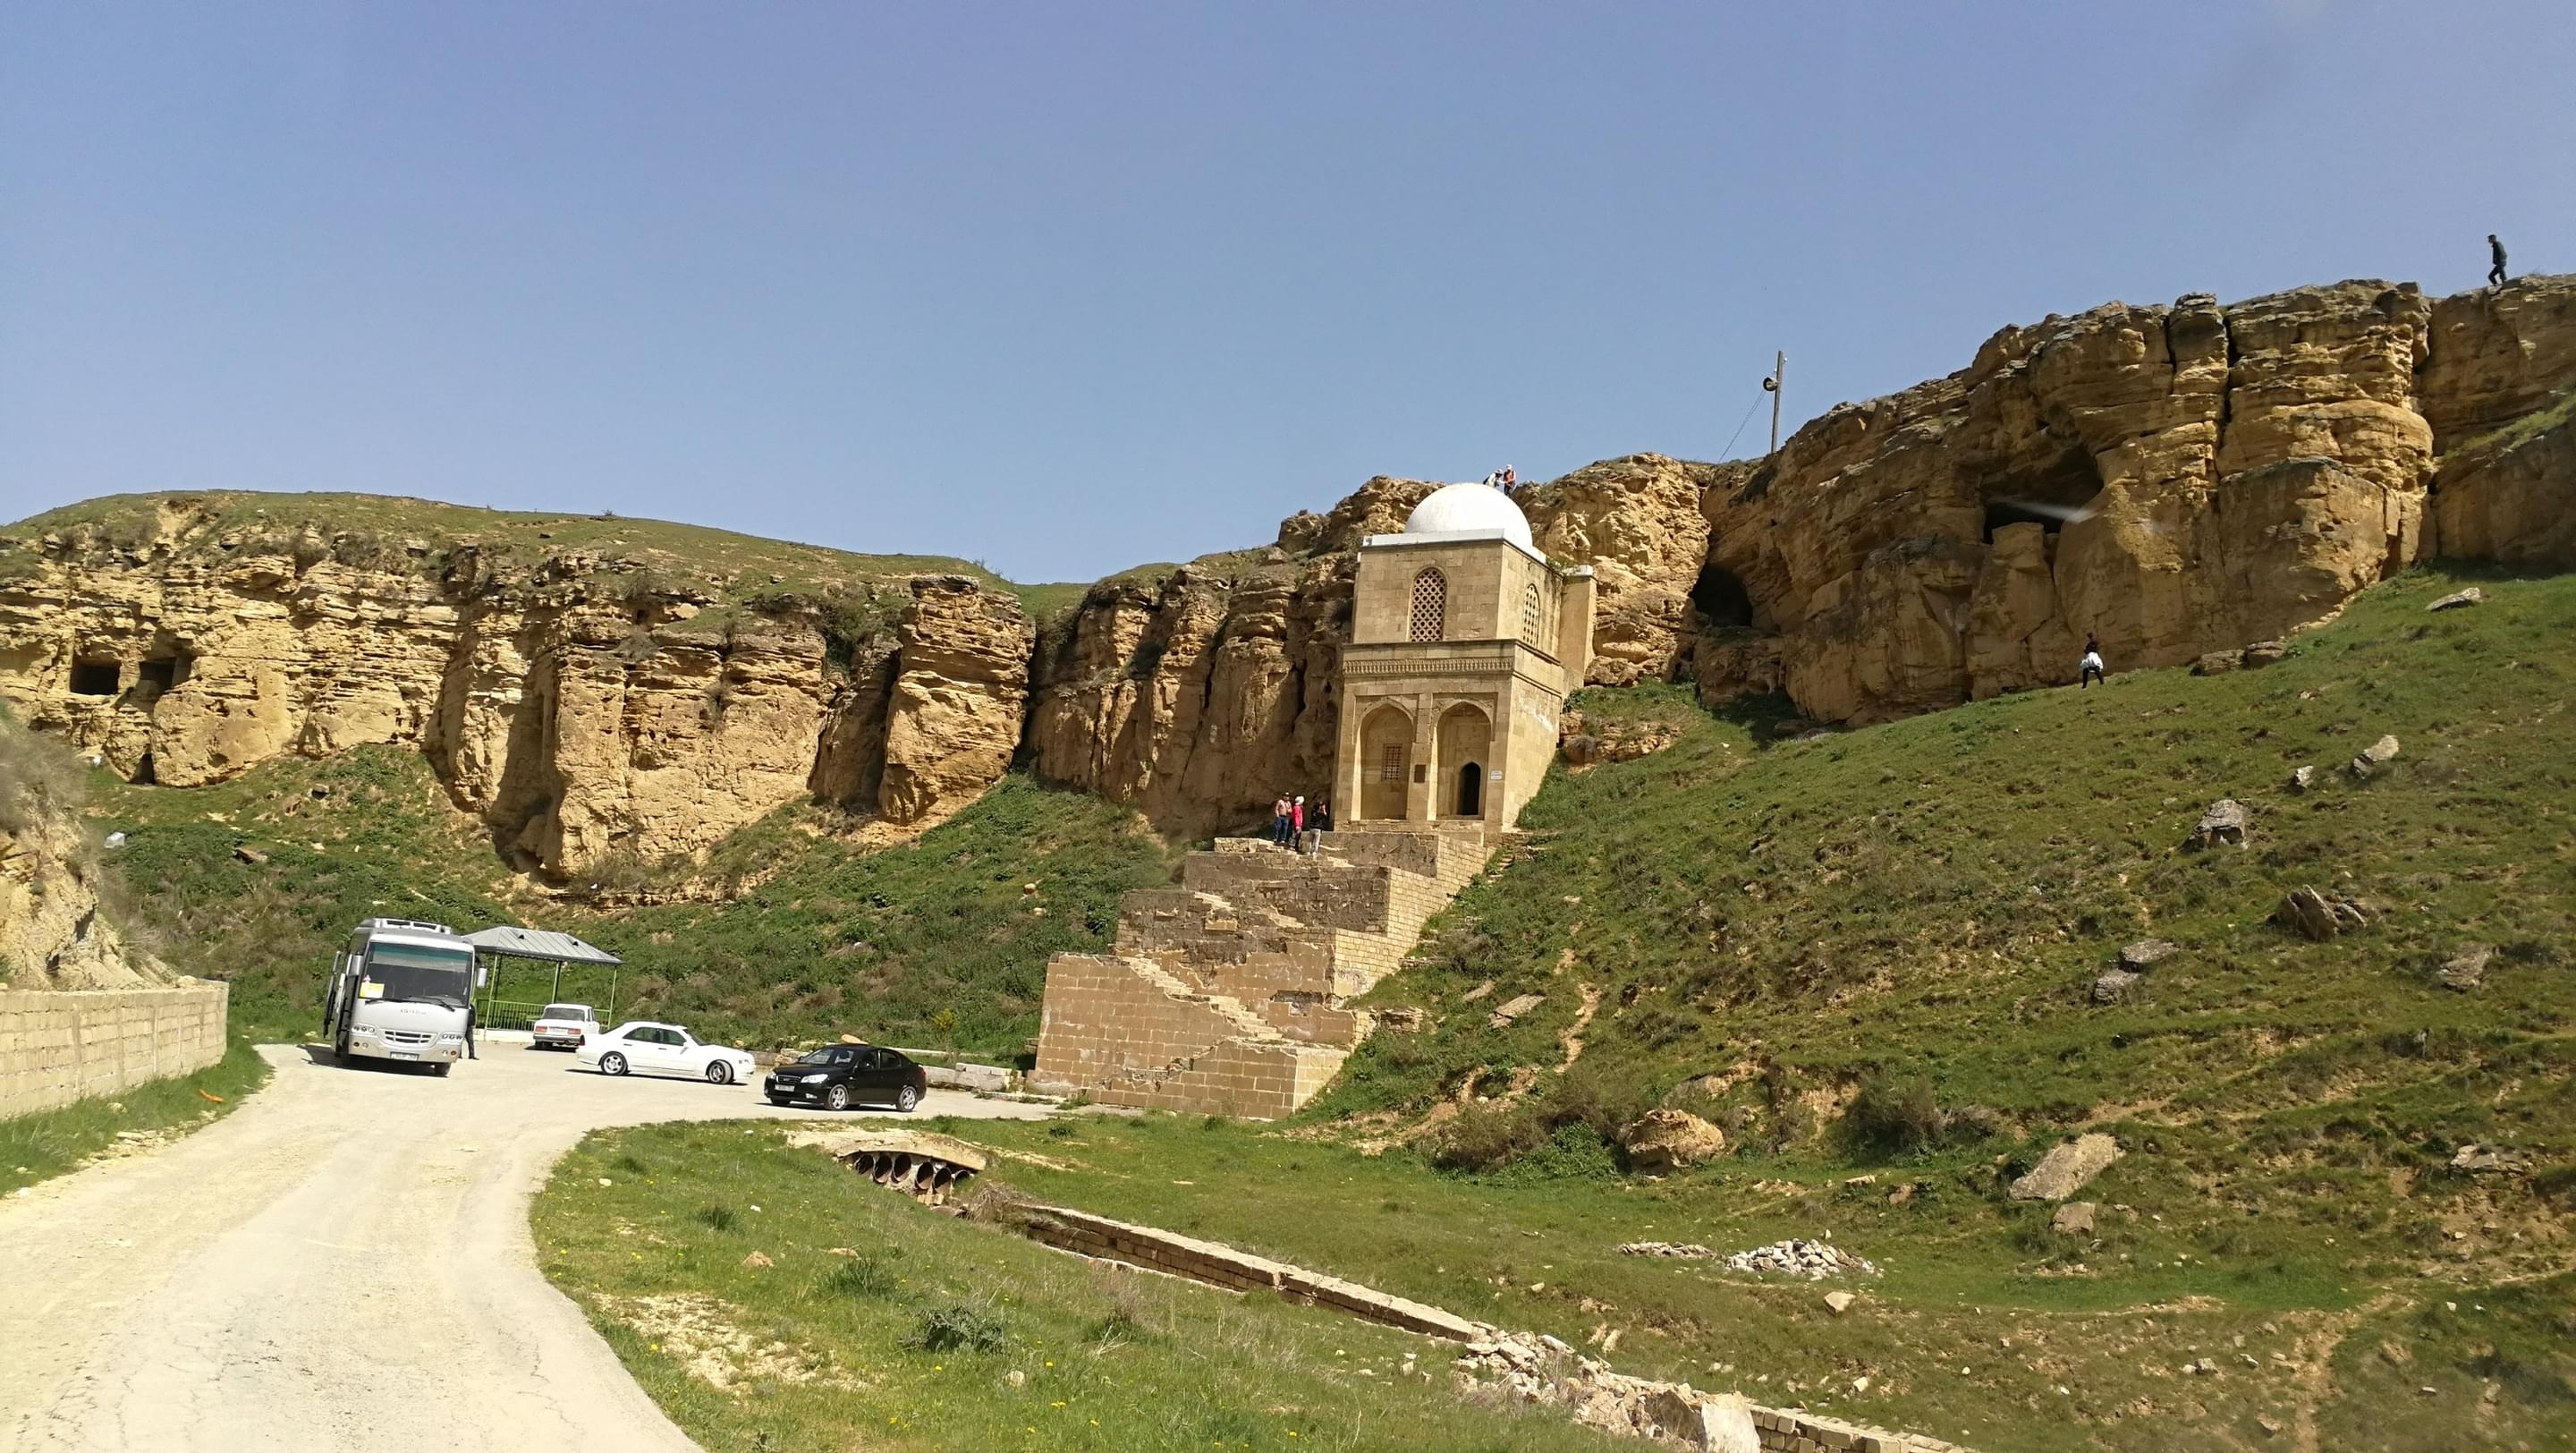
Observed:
{"x":2495,"y":274}
{"x":1279,"y":821}
{"x":2091,"y":669}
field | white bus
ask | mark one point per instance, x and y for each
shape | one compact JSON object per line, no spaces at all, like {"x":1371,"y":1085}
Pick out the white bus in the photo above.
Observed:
{"x":401,"y":990}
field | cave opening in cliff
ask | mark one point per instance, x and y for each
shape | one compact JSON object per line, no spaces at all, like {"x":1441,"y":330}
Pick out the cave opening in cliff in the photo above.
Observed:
{"x":160,"y":673}
{"x":1721,"y":598}
{"x":2046,"y":495}
{"x":95,"y":677}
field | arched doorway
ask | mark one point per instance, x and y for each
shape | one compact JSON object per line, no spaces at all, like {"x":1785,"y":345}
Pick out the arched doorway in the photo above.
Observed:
{"x":1386,"y":763}
{"x":1466,"y":745}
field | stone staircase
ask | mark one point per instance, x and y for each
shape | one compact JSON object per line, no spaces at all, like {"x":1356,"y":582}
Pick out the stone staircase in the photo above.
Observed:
{"x":1230,"y":993}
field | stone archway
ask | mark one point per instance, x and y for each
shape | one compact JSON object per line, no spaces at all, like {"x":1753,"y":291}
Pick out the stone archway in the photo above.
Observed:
{"x":1386,"y":763}
{"x":1466,"y":743}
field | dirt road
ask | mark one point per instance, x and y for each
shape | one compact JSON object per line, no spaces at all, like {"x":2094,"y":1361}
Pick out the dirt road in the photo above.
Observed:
{"x":344,"y":1263}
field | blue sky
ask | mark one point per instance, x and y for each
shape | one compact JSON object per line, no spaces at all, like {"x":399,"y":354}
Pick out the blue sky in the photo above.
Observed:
{"x":1068,"y":287}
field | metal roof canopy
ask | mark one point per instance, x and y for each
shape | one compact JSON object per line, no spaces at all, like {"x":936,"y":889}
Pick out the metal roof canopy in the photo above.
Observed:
{"x":546,"y":946}
{"x":538,"y":943}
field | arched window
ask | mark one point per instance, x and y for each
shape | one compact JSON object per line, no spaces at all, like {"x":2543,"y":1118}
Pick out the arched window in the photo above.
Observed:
{"x":1430,"y":606}
{"x":1533,"y":618}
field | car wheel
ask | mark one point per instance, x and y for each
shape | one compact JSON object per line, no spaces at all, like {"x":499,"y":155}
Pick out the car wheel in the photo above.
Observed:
{"x":719,"y":1073}
{"x":837,"y":1098}
{"x":612,"y":1064}
{"x":906,"y":1098}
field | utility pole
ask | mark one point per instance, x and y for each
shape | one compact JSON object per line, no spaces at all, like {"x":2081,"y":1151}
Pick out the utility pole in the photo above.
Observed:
{"x":1771,"y":386}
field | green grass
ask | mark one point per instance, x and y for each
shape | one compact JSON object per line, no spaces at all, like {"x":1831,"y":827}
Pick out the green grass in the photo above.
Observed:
{"x":910,"y":1343}
{"x":50,"y":1142}
{"x":928,"y":943}
{"x":1867,"y":956}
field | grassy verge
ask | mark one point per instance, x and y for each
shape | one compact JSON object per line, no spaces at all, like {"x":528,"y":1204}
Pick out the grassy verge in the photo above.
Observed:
{"x":51,"y":1142}
{"x":913,"y":1340}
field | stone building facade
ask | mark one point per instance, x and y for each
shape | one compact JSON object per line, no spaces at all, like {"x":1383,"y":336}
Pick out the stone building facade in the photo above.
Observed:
{"x":1232,"y":993}
{"x":1465,"y":642}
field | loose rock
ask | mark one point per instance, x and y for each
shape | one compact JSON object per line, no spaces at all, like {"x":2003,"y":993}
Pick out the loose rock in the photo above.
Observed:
{"x":2303,"y":779}
{"x":2467,"y":968}
{"x":2075,"y":1218}
{"x":2224,"y":823}
{"x":2146,"y":952}
{"x":1514,"y":1010}
{"x":2066,"y":1169}
{"x":2459,"y":598}
{"x":2112,"y":987}
{"x":2375,"y":756}
{"x":1668,"y":1140}
{"x":2488,"y":1158}
{"x":2318,"y":916}
{"x":1839,"y":1302}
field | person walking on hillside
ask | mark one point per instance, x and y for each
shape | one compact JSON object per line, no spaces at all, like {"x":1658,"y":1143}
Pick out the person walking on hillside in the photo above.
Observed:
{"x":2496,"y":273}
{"x":2091,"y":669}
{"x":1279,"y":821}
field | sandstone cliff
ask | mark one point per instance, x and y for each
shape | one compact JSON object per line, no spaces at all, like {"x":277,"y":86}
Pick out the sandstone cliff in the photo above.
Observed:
{"x":2175,"y":479}
{"x":585,"y":703}
{"x":54,"y":932}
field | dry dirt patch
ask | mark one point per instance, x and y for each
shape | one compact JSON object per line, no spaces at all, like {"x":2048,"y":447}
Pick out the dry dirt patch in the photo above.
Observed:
{"x":703,"y":1334}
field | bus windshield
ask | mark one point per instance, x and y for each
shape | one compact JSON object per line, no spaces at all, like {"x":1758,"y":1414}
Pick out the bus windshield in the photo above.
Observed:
{"x":422,"y":973}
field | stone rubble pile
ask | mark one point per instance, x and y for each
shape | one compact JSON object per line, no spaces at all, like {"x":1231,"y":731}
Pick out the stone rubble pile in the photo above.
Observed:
{"x":1547,"y":1372}
{"x":1814,"y":1260}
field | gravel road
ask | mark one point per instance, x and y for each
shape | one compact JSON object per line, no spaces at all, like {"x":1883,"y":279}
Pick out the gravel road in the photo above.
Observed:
{"x":343,"y":1263}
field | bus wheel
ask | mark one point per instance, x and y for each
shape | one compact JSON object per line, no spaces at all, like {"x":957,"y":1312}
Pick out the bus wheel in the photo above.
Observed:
{"x":441,"y":1070}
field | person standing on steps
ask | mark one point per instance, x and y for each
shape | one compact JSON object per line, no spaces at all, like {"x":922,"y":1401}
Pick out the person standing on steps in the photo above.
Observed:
{"x":1296,"y":822}
{"x":2496,"y":273}
{"x":1279,"y":821}
{"x":1320,"y":822}
{"x":2091,"y":669}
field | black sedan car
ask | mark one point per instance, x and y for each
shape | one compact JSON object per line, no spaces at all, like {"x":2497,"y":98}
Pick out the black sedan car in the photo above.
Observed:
{"x":838,"y":1076}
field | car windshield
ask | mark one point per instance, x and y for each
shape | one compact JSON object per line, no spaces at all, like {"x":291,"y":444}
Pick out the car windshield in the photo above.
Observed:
{"x":566,"y":1011}
{"x":825,"y":1057}
{"x":421,"y":973}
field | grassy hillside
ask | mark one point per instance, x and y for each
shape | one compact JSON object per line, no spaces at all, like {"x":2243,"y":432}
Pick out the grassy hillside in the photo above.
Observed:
{"x":256,"y":880}
{"x":1868,"y":956}
{"x":372,"y":529}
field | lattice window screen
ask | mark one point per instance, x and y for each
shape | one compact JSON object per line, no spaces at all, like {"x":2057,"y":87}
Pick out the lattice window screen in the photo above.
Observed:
{"x":1533,"y":618}
{"x":1430,"y":606}
{"x":1390,"y":763}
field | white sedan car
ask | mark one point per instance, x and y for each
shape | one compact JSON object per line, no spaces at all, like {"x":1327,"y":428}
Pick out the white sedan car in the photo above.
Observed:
{"x":641,"y":1047}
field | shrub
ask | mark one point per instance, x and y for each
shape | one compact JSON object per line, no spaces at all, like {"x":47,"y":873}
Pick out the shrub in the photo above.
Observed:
{"x":1893,"y":1116}
{"x":866,"y":1276}
{"x":1486,"y":1138}
{"x":716,"y":1218}
{"x":954,"y":1328}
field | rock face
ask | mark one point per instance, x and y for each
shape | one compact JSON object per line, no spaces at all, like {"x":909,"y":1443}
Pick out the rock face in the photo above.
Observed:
{"x":1637,"y":523}
{"x":54,"y":933}
{"x":2177,"y":480}
{"x":583,"y":705}
{"x":2186,"y":482}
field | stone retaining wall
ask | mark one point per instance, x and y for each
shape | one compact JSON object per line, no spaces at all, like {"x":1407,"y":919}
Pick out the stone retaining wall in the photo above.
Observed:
{"x":57,"y":1047}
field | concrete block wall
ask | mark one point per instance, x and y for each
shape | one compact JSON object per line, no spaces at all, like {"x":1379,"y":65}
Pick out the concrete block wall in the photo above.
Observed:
{"x":56,"y":1048}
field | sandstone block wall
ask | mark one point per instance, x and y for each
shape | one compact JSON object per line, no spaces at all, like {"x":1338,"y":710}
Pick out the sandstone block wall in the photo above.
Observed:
{"x":58,"y":1047}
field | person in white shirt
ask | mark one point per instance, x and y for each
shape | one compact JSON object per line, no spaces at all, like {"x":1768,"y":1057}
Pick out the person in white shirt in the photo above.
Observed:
{"x":2091,"y":670}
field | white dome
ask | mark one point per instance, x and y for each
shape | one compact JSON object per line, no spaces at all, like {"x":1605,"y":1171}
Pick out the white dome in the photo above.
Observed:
{"x":1457,"y":508}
